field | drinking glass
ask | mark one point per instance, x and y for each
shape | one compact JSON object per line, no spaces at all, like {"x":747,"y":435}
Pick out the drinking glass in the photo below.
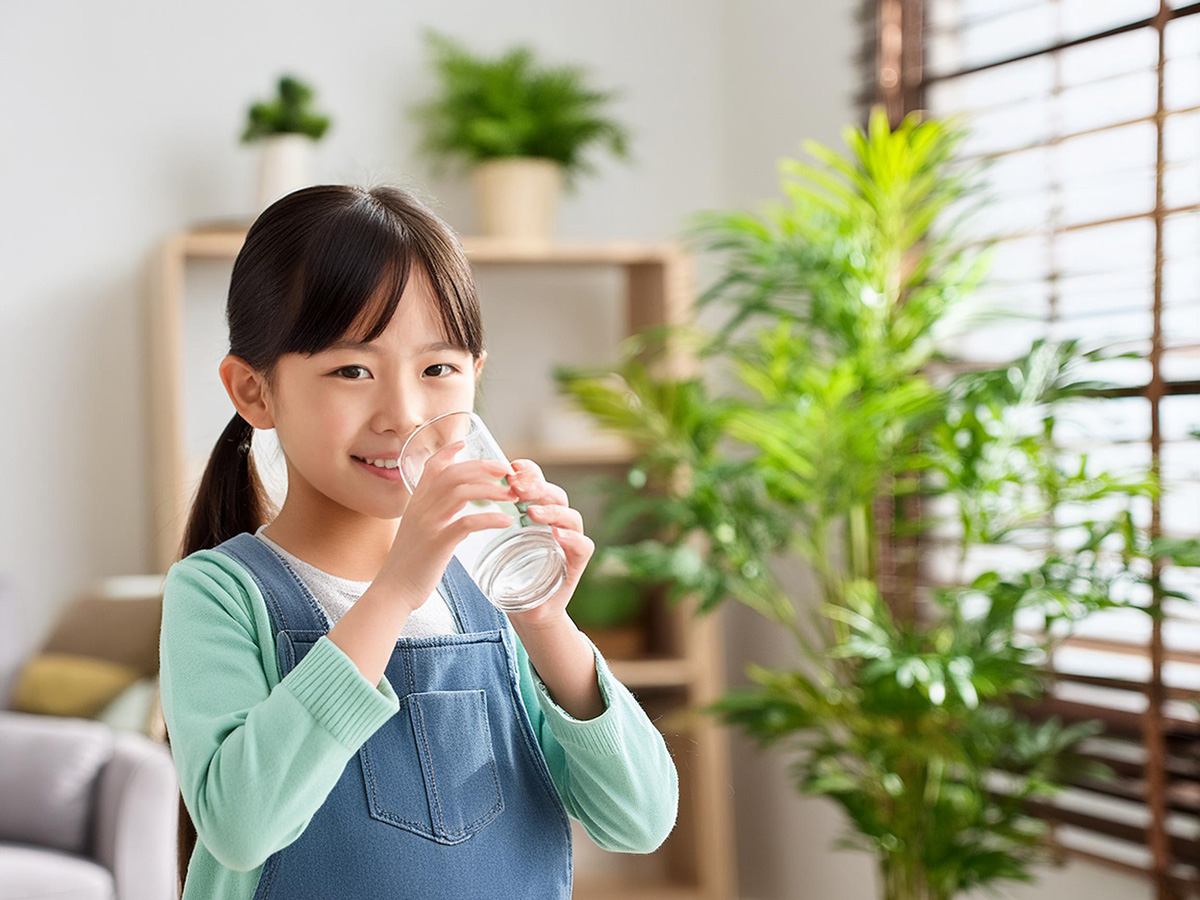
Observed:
{"x":523,"y":565}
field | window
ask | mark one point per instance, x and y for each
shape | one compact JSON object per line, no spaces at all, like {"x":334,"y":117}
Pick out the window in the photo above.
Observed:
{"x":1089,"y":111}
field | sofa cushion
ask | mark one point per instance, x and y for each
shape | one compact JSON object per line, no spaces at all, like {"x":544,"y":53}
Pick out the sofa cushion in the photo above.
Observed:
{"x":63,"y":684}
{"x":33,"y":873}
{"x":48,"y":772}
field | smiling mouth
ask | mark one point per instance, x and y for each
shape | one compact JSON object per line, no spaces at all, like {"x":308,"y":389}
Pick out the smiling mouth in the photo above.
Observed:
{"x":392,"y":474}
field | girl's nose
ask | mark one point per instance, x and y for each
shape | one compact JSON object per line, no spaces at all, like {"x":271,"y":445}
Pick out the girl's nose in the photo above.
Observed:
{"x":400,"y":422}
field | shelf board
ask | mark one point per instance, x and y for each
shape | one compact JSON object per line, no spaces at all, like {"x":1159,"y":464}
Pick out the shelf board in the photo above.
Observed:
{"x":652,"y":673}
{"x":223,"y":241}
{"x":503,"y":250}
{"x":216,"y":243}
{"x":591,"y":888}
{"x":600,"y":453}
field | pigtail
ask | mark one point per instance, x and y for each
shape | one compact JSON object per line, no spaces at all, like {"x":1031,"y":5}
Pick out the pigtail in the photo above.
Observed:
{"x":231,"y":497}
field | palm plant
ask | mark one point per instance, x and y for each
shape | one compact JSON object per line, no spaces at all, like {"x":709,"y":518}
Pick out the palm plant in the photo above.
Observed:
{"x":908,"y":715}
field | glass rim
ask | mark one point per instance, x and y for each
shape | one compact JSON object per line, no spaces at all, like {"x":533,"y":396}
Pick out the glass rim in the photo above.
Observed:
{"x":454,"y":412}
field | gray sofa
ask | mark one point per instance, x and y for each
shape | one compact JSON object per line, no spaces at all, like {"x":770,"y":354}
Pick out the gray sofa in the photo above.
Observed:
{"x":86,"y":810}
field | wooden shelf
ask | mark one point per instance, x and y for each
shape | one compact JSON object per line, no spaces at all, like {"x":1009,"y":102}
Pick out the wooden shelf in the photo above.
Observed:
{"x":222,"y":241}
{"x":652,"y":673}
{"x":612,"y":889}
{"x":606,"y":453}
{"x":683,"y":670}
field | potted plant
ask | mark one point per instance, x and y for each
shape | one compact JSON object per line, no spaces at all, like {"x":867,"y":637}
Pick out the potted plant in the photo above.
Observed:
{"x":287,"y":129}
{"x":915,"y":711}
{"x":522,"y":129}
{"x":609,"y":608}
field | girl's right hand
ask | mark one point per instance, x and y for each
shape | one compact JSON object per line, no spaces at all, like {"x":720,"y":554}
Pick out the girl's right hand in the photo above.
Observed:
{"x":431,"y":526}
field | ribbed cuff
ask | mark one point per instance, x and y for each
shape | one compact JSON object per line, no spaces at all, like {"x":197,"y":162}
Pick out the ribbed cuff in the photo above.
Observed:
{"x":330,"y":686}
{"x":600,"y":736}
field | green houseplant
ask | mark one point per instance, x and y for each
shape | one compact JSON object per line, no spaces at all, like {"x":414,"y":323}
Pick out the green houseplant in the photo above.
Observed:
{"x":608,"y":607}
{"x":286,"y":128}
{"x":905,"y":710}
{"x":523,"y":128}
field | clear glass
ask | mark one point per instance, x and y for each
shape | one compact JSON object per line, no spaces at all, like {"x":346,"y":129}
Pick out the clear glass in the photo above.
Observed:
{"x":523,"y":565}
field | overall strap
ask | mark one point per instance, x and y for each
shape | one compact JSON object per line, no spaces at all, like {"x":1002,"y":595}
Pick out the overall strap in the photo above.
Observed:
{"x":290,"y":603}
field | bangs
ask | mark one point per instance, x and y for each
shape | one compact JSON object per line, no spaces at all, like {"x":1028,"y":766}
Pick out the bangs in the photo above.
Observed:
{"x":357,"y":265}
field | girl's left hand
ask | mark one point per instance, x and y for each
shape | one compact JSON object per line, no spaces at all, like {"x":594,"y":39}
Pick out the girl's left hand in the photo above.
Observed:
{"x":549,"y":506}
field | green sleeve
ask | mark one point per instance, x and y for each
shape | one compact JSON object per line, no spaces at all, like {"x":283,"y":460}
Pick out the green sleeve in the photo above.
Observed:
{"x":256,"y":756}
{"x":614,"y":773}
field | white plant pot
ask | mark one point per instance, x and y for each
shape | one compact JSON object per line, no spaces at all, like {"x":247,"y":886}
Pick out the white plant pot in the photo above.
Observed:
{"x":284,"y":165}
{"x":517,"y":197}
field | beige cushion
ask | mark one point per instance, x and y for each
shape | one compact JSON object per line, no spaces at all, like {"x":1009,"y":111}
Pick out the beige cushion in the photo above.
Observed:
{"x":61,"y":684}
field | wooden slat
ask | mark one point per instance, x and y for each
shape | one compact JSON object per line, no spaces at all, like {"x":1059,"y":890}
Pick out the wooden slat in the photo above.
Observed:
{"x":1123,"y":684}
{"x":1154,"y":21}
{"x":1182,"y":886}
{"x":1120,"y":722}
{"x":1181,"y":849}
{"x":1179,"y":769}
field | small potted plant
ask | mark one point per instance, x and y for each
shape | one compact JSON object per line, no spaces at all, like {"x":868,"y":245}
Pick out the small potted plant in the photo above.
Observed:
{"x":287,"y":129}
{"x":609,"y":607}
{"x":521,"y":128}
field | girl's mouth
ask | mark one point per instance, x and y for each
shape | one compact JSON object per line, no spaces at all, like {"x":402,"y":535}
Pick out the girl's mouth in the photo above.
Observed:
{"x":379,"y":471}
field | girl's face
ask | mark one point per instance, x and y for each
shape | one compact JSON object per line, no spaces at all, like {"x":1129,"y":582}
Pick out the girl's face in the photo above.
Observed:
{"x":363,"y":400}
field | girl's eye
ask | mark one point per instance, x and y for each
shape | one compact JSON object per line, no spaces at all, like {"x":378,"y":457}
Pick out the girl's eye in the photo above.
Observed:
{"x":429,"y":370}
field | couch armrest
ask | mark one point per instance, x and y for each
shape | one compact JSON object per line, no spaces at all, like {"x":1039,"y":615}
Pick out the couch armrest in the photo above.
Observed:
{"x":50,"y":768}
{"x":136,"y":818}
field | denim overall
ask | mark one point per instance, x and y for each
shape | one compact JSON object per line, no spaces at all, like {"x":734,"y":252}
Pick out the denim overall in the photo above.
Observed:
{"x":451,"y":798}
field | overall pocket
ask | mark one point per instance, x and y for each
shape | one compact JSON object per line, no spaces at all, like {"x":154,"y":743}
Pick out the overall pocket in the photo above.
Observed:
{"x":431,"y":768}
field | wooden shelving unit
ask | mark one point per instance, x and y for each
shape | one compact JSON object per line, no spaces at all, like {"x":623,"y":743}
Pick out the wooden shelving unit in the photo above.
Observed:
{"x":683,"y":668}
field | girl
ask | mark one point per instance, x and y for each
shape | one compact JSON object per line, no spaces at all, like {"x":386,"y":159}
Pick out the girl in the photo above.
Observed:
{"x":348,"y":714}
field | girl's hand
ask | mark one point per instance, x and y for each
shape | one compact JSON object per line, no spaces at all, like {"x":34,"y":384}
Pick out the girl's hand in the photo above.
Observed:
{"x":549,"y":506}
{"x":431,"y":526}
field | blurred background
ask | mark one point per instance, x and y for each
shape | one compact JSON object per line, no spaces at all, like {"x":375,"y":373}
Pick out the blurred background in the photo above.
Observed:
{"x":142,"y":139}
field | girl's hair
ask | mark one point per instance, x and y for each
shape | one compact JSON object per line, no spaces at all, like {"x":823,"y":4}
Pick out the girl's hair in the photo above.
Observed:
{"x":317,"y":263}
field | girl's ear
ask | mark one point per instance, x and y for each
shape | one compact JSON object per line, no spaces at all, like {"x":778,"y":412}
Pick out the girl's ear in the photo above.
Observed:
{"x":248,"y":391}
{"x":479,"y":363}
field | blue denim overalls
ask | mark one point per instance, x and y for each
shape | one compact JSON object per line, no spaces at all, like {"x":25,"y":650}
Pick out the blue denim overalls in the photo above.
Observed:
{"x":451,"y":797}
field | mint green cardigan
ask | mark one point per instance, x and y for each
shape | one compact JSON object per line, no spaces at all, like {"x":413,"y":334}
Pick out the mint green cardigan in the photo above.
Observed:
{"x":256,"y":756}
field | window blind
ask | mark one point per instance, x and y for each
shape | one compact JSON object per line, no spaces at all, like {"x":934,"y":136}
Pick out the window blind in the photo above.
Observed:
{"x":1088,"y":113}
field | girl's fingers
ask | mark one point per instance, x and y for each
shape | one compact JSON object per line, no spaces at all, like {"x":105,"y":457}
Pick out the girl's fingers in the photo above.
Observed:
{"x":560,"y":516}
{"x":441,"y":458}
{"x":482,"y":521}
{"x":538,"y":490}
{"x":577,"y":547}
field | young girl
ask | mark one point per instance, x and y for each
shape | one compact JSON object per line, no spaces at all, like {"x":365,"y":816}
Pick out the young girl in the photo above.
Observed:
{"x":348,"y":714}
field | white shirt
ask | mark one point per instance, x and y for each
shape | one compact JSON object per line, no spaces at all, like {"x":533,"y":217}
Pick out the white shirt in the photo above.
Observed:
{"x":336,"y":595}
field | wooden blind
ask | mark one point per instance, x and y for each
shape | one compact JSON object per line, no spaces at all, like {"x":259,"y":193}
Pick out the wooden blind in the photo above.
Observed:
{"x":1089,"y":112}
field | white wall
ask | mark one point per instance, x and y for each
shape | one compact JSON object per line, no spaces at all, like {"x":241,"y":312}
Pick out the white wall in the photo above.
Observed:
{"x":120,"y":126}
